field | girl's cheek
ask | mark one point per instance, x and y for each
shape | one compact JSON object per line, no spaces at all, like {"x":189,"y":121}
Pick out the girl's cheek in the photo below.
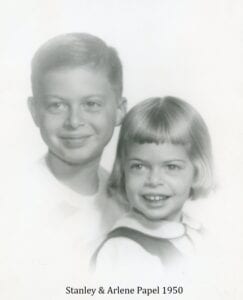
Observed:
{"x":174,"y":183}
{"x":135,"y":183}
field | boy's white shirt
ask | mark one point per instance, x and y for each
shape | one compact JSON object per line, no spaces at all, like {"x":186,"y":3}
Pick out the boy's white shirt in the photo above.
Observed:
{"x":52,"y":233}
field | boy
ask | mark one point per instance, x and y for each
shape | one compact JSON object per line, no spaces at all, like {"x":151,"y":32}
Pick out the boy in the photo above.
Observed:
{"x":62,"y":208}
{"x":77,"y":101}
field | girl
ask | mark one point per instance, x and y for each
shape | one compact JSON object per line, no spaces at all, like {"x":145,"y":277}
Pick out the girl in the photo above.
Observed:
{"x":163,"y":159}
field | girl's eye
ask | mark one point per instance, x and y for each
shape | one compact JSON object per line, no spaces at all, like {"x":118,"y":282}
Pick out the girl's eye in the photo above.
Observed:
{"x":91,"y":103}
{"x":137,"y":166}
{"x":173,"y":167}
{"x":57,"y":107}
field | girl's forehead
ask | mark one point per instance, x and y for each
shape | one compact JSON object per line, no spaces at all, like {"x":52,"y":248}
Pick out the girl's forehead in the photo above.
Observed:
{"x":154,"y":152}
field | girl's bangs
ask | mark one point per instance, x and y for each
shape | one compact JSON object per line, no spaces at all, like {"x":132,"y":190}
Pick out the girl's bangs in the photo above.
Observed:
{"x":159,"y":130}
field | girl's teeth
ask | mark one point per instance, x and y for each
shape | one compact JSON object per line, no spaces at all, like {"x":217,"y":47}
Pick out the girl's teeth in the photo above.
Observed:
{"x":155,"y":198}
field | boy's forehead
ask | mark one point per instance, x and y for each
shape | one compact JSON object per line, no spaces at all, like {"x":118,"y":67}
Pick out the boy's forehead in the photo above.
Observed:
{"x":76,"y":73}
{"x":71,"y":80}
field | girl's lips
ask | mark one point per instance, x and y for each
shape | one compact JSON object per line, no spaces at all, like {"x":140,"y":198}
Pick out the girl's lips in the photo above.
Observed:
{"x":155,"y":197}
{"x":155,"y":201}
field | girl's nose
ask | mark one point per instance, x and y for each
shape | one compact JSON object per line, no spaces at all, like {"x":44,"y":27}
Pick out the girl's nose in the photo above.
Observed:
{"x":74,"y":119}
{"x":155,"y":177}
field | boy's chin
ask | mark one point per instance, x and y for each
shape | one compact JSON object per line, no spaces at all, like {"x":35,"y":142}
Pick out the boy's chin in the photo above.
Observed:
{"x":73,"y":160}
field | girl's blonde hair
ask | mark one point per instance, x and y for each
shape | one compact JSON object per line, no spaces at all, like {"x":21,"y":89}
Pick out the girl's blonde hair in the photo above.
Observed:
{"x":165,"y":120}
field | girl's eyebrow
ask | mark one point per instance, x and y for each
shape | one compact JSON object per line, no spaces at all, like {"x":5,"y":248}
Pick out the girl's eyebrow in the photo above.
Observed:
{"x":139,"y":160}
{"x":136,"y":159}
{"x":164,"y":161}
{"x":174,"y":160}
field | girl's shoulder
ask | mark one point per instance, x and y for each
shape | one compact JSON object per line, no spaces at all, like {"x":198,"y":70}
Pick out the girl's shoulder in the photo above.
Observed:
{"x":119,"y":246}
{"x":121,"y":257}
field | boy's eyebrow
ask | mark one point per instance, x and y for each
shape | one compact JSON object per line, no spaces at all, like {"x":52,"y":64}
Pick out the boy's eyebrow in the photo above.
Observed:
{"x":54,"y":96}
{"x":62,"y":98}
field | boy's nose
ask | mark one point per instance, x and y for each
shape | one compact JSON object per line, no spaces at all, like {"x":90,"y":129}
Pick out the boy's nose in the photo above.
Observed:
{"x":74,"y":119}
{"x":155,"y":178}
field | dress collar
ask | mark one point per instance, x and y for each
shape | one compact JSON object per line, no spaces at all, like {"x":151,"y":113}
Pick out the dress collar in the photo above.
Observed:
{"x":159,"y":229}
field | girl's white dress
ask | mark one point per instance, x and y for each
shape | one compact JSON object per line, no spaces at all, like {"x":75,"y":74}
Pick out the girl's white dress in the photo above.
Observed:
{"x":123,"y":257}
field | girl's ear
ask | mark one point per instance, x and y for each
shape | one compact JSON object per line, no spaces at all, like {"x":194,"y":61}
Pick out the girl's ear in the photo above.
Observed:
{"x":32,"y":105}
{"x":197,"y":174}
{"x":196,"y":181}
{"x":121,"y":110}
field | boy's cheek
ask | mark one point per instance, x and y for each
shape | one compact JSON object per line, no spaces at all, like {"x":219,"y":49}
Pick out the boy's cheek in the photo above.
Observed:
{"x":102,"y":123}
{"x":50,"y":120}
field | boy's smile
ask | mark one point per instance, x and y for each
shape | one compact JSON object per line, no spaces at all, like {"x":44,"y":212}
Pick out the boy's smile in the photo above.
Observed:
{"x":75,"y":141}
{"x":158,"y":179}
{"x":76,"y":113}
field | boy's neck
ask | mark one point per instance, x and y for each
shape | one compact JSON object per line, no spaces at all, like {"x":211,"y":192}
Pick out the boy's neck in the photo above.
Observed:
{"x":81,"y":178}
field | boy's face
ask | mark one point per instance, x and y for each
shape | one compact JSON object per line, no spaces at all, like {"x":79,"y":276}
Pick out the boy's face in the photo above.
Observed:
{"x":76,"y":112}
{"x":158,"y":179}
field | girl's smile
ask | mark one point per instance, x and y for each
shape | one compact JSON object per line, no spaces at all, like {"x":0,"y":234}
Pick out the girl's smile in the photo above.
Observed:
{"x":154,"y":200}
{"x":155,"y":197}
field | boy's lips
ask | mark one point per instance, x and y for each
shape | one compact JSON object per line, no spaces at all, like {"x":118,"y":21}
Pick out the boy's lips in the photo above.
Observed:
{"x":74,"y":136}
{"x":74,"y":141}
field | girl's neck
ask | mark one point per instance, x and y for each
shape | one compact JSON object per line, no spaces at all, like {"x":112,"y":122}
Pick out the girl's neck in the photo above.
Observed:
{"x":81,"y":178}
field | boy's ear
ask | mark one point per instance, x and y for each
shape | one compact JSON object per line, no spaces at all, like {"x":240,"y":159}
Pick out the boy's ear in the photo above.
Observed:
{"x":121,"y":110}
{"x":33,"y":110}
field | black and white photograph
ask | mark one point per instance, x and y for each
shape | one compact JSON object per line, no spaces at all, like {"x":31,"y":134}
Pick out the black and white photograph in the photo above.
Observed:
{"x":121,"y":157}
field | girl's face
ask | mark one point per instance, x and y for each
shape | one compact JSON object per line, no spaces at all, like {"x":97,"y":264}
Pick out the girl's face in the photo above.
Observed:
{"x":158,"y":179}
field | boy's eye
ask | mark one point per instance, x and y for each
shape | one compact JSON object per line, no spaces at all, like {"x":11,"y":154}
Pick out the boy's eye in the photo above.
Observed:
{"x":92,"y":105}
{"x":57,"y":107}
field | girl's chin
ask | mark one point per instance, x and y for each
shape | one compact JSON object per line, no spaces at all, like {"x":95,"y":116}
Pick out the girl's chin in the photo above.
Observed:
{"x":156,"y":216}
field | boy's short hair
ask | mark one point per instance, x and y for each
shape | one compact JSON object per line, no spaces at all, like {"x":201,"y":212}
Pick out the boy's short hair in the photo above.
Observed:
{"x":74,"y":50}
{"x":166,"y":120}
